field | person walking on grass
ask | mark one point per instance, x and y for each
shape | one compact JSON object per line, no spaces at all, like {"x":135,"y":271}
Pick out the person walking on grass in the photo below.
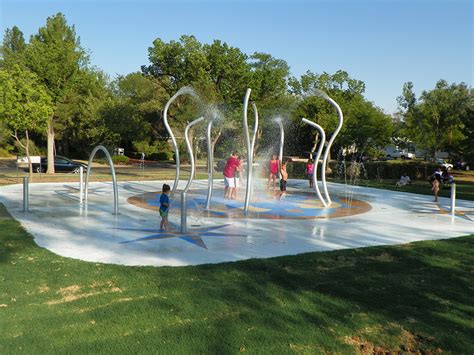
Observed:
{"x":164,"y":207}
{"x":273,"y":168}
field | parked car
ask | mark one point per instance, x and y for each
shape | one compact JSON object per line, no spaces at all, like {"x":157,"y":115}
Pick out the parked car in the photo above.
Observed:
{"x":443,"y":163}
{"x":61,"y":165}
{"x":403,"y":154}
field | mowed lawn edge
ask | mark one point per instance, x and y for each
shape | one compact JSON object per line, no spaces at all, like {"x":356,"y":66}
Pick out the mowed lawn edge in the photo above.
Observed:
{"x":407,"y":298}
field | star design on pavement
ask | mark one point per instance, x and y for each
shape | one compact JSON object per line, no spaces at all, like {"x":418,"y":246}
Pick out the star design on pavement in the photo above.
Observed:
{"x":191,"y":235}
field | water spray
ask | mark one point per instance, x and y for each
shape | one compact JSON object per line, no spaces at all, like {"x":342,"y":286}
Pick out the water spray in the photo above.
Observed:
{"x":190,"y":151}
{"x":282,"y":141}
{"x":210,"y":164}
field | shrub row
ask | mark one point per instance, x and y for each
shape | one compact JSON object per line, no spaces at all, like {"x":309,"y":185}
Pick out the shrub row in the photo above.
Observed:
{"x":373,"y":170}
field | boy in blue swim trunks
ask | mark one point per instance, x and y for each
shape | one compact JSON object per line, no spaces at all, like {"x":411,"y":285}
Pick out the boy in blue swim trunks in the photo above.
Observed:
{"x":164,"y":206}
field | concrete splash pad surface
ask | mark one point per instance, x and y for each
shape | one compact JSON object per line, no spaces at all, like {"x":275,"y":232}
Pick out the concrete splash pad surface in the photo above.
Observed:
{"x":93,"y":233}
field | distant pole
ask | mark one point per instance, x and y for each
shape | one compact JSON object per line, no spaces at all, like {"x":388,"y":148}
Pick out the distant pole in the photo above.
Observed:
{"x":183,"y":212}
{"x":282,"y":143}
{"x":453,"y":199}
{"x":26,"y":201}
{"x":81,"y":183}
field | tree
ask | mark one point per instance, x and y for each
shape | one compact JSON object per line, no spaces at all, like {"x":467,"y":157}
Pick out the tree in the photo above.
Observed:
{"x":133,"y":115}
{"x":55,"y":55}
{"x":12,"y":48}
{"x":25,"y":105}
{"x":365,"y":127}
{"x":80,"y":122}
{"x":437,"y":120}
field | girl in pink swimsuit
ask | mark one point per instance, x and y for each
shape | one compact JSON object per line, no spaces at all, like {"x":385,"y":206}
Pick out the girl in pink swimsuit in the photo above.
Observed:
{"x":273,"y":167}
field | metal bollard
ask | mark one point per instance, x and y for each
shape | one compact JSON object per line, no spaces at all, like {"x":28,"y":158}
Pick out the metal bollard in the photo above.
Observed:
{"x":183,"y":212}
{"x":81,"y":183}
{"x":26,"y":201}
{"x":453,"y":199}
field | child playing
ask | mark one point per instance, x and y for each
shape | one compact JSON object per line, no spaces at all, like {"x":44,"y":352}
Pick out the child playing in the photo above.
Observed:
{"x":164,"y":207}
{"x":283,"y":181}
{"x":273,"y":167}
{"x":435,"y":184}
{"x":310,"y":171}
{"x":404,"y":180}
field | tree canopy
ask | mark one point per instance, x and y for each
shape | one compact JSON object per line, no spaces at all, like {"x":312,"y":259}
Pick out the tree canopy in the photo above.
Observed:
{"x":89,"y":108}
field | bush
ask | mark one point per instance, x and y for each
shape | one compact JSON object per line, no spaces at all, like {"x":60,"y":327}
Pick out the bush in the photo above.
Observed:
{"x":4,"y":153}
{"x":393,"y":170}
{"x":120,"y":159}
{"x":162,"y":156}
{"x":372,"y":170}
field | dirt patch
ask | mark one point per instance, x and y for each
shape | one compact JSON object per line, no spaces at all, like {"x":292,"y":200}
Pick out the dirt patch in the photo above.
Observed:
{"x":73,"y":293}
{"x":43,"y":288}
{"x":383,"y":257}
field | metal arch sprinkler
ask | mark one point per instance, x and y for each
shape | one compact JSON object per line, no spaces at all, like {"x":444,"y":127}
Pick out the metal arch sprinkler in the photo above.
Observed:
{"x":210,"y":163}
{"x":331,"y":141}
{"x":112,"y":170}
{"x":250,"y":146}
{"x":182,"y":91}
{"x":191,"y":152}
{"x":282,"y":142}
{"x":316,"y":160}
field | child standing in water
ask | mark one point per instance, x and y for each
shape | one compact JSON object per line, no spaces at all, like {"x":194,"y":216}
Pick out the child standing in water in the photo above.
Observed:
{"x":164,"y":206}
{"x":310,"y":171}
{"x":273,"y":167}
{"x":283,"y":181}
{"x":435,"y":184}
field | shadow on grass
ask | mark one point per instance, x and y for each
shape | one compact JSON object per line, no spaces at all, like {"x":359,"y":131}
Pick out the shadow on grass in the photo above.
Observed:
{"x":425,"y":290}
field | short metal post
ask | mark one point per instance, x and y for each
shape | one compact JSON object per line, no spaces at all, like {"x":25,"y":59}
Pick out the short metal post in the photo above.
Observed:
{"x":183,"y":212}
{"x":453,"y":199}
{"x":81,"y":183}
{"x":26,"y":201}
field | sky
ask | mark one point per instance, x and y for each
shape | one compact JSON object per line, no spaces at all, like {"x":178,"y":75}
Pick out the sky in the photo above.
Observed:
{"x":384,"y":43}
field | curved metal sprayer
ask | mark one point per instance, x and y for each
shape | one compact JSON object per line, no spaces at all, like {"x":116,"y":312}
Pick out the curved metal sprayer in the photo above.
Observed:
{"x":282,"y":142}
{"x":210,"y":163}
{"x":112,"y":171}
{"x":250,"y":146}
{"x":331,"y":141}
{"x":316,"y":160}
{"x":182,"y":91}
{"x":190,"y":151}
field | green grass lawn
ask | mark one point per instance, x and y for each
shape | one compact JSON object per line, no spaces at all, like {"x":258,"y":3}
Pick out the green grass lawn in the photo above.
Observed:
{"x":408,"y":298}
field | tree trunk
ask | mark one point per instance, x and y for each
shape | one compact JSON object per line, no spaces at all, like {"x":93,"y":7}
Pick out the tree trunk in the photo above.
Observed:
{"x":50,"y":146}
{"x":27,"y":150}
{"x":213,"y":144}
{"x":315,"y":145}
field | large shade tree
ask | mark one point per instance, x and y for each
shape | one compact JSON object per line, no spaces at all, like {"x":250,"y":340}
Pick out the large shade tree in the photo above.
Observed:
{"x":365,"y":128}
{"x":55,"y":55}
{"x":437,"y":120}
{"x":25,"y":105}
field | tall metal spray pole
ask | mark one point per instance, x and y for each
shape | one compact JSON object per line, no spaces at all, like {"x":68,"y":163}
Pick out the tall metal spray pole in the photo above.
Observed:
{"x":328,"y":148}
{"x":316,"y":161}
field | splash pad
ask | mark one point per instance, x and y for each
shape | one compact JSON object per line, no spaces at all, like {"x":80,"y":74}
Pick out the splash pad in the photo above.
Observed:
{"x":258,"y":225}
{"x":264,"y":205}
